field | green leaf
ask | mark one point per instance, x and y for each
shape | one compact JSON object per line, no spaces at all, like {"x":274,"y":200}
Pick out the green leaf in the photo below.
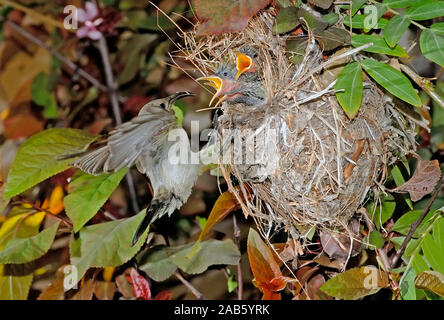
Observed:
{"x":403,"y":224}
{"x":356,"y":5}
{"x":356,"y":283}
{"x":395,"y":29}
{"x":376,"y":239}
{"x":358,"y":22}
{"x":379,"y":45}
{"x":407,"y":285}
{"x":392,"y":80}
{"x":156,"y":263}
{"x":212,"y":252}
{"x":432,"y":281}
{"x":332,"y":38}
{"x":310,"y":21}
{"x":400,"y":3}
{"x":438,"y":28}
{"x":399,"y":180}
{"x":433,"y":246}
{"x":132,"y":52}
{"x":43,"y":95}
{"x":331,"y":18}
{"x":106,"y":244}
{"x":231,"y":282}
{"x":426,"y":11}
{"x":350,"y":81}
{"x":383,"y":212}
{"x":286,"y":20}
{"x":89,"y":193}
{"x":324,"y":4}
{"x":296,"y":49}
{"x":432,"y":46}
{"x":15,"y":287}
{"x":372,"y":17}
{"x":28,"y":249}
{"x":36,"y":159}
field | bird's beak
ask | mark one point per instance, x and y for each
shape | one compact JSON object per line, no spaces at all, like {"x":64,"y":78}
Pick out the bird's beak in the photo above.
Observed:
{"x":178,"y":95}
{"x":243,"y":63}
{"x":215,"y":82}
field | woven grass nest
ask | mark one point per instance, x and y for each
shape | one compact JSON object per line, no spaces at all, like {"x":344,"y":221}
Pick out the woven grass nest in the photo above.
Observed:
{"x":324,"y":165}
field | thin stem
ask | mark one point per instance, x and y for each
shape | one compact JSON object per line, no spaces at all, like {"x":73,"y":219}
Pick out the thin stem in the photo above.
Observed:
{"x":65,"y":221}
{"x":415,"y":225}
{"x":103,"y":48}
{"x":425,"y":84}
{"x":187,"y":284}
{"x":96,"y":83}
{"x":239,"y":267}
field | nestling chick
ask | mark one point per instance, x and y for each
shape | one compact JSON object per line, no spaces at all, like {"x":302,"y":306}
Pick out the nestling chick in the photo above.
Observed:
{"x":238,"y":83}
{"x":143,"y":141}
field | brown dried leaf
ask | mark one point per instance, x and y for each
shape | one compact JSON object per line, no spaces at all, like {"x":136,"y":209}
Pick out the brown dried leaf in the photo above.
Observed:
{"x":105,"y":290}
{"x":55,"y":290}
{"x":226,"y":16}
{"x":337,"y":246}
{"x":423,"y":181}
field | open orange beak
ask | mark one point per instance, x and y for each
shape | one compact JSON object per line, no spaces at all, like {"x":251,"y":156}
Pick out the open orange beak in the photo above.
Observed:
{"x":243,"y":63}
{"x":216,"y":83}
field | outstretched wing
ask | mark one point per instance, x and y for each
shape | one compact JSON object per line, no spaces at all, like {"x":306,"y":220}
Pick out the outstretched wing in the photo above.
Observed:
{"x":127,"y":142}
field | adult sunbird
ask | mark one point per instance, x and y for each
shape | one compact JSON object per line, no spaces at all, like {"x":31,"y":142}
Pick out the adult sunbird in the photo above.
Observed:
{"x":143,"y":141}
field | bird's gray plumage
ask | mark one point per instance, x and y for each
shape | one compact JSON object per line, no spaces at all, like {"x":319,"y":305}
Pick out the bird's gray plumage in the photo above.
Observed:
{"x":143,"y":141}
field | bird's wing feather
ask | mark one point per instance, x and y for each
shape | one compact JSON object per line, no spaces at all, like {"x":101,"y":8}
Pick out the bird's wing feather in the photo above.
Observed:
{"x":127,"y":142}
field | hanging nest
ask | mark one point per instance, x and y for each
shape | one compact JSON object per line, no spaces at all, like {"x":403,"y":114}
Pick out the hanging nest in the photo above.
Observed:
{"x":323,"y":165}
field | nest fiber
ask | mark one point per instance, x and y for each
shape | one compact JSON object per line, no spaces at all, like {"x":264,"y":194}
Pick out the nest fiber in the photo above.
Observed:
{"x":323,"y":165}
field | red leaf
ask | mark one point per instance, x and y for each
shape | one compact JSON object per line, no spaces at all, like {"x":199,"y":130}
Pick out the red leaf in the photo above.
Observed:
{"x":164,"y":295}
{"x":134,"y":103}
{"x":225,"y":16}
{"x":267,"y":274}
{"x":141,"y":287}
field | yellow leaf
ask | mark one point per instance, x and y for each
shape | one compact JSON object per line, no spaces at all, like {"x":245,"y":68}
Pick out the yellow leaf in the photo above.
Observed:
{"x":108,"y":273}
{"x":56,"y":200}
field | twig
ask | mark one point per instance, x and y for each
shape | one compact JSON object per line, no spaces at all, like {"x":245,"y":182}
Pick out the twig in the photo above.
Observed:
{"x":96,"y":83}
{"x":415,"y":225}
{"x":33,"y":13}
{"x":187,"y":284}
{"x":103,"y":48}
{"x":65,"y":221}
{"x":425,"y":84}
{"x":239,"y":267}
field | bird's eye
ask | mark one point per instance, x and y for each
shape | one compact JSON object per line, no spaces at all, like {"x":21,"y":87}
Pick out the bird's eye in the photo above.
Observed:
{"x":162,"y":105}
{"x":225,"y":74}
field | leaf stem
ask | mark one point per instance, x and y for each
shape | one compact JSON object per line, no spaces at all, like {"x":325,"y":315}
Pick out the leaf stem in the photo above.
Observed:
{"x":424,"y":83}
{"x":187,"y":284}
{"x":415,"y":225}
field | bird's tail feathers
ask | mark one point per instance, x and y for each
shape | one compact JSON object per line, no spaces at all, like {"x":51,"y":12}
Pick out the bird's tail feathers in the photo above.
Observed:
{"x":156,"y":210}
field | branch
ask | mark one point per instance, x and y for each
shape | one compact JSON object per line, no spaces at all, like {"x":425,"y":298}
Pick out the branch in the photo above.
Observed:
{"x":239,"y":267}
{"x":103,"y":48}
{"x":187,"y":284}
{"x":96,"y":83}
{"x":415,"y":225}
{"x":65,"y":221}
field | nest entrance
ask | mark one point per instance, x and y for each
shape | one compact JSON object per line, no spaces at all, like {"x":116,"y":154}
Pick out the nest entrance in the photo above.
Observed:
{"x":322,"y":165}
